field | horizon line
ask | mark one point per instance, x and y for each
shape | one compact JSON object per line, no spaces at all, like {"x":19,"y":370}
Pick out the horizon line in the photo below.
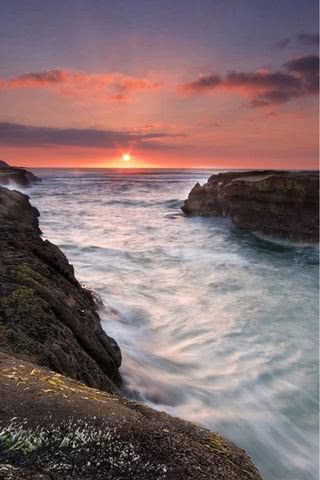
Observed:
{"x":169,"y":168}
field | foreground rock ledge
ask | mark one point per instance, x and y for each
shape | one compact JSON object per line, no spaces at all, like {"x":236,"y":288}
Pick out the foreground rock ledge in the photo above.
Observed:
{"x":270,"y":202}
{"x":53,"y":427}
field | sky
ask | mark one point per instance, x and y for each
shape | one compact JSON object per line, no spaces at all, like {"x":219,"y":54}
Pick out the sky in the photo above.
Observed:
{"x":159,"y":83}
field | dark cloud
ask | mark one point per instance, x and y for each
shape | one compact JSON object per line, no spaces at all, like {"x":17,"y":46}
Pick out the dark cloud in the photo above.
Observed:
{"x":48,"y":77}
{"x":298,"y":77}
{"x":30,"y":136}
{"x":307,"y":70}
{"x":301,"y":39}
{"x":308,"y":39}
{"x":261,"y":79}
{"x":284,"y":43}
{"x":308,"y":64}
{"x":206,"y":82}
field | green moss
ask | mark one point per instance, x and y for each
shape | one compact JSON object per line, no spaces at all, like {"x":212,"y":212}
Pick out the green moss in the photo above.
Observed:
{"x":218,"y":443}
{"x":21,"y":300}
{"x":25,"y":272}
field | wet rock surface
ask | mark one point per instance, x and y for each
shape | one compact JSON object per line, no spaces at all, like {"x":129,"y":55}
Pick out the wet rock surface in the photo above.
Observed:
{"x":270,"y":202}
{"x":61,"y":415}
{"x":16,"y":176}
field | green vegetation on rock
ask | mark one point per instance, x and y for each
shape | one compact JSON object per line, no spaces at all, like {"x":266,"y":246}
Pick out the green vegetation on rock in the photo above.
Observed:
{"x":19,"y":301}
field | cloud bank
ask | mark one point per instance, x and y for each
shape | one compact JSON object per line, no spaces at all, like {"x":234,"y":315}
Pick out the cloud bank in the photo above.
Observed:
{"x":299,"y":77}
{"x":12,"y":134}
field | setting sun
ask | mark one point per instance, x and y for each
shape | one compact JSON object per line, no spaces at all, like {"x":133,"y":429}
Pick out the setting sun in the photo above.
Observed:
{"x":126,"y":157}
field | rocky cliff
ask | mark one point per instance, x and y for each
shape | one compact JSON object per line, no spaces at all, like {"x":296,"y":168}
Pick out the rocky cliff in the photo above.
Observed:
{"x":45,"y":315}
{"x":16,"y":176}
{"x":61,"y":414}
{"x":270,"y":202}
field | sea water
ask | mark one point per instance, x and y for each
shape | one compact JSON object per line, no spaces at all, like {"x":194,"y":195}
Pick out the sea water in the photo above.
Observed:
{"x":215,"y":324}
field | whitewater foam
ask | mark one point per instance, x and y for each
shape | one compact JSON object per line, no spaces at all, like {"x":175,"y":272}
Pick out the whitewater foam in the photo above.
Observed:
{"x":215,"y":325}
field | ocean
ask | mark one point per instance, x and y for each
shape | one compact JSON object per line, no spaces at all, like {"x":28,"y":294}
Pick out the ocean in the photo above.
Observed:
{"x":216,"y":325}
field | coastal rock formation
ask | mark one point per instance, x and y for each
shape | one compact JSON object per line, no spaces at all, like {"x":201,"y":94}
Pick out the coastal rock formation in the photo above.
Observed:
{"x":16,"y":176}
{"x":65,"y":430}
{"x":53,"y":350}
{"x":269,"y":202}
{"x":45,"y":315}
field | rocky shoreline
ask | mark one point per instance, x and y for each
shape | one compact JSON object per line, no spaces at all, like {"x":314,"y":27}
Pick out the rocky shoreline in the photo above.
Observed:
{"x":61,"y":412}
{"x":16,"y":176}
{"x":281,"y":203}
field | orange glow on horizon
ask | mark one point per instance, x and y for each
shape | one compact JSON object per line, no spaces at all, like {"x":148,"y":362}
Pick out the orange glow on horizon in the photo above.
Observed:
{"x":74,"y":157}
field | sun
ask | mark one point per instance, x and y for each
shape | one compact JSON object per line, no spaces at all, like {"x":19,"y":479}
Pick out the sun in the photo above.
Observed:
{"x":126,"y":157}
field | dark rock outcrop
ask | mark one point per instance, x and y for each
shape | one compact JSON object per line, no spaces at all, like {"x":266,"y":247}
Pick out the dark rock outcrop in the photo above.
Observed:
{"x":16,"y":176}
{"x":269,"y":202}
{"x":52,"y":427}
{"x":65,"y":430}
{"x":45,"y":315}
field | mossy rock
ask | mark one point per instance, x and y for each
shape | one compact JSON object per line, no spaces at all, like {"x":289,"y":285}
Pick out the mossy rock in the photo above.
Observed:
{"x":25,"y":272}
{"x":19,"y":301}
{"x":219,"y":444}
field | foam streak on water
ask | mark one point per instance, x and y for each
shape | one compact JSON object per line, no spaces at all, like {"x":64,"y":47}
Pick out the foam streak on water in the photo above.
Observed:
{"x":217,"y":326}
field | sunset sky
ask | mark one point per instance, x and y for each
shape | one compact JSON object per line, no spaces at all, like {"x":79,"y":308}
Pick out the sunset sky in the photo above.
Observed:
{"x":172,"y":83}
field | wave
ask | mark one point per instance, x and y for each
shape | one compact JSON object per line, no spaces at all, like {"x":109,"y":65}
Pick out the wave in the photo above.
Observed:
{"x":11,"y":185}
{"x":285,"y":242}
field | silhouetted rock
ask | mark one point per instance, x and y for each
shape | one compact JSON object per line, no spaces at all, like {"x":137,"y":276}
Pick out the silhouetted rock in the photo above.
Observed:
{"x":16,"y":176}
{"x":270,"y":202}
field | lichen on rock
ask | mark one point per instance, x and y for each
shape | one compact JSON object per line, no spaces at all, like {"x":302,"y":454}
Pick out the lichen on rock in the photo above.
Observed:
{"x":64,"y":429}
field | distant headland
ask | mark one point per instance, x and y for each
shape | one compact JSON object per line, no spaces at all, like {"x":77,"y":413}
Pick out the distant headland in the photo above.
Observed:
{"x":16,"y":175}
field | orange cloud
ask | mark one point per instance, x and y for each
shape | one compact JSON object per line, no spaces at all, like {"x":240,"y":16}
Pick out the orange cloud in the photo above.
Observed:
{"x":108,"y":86}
